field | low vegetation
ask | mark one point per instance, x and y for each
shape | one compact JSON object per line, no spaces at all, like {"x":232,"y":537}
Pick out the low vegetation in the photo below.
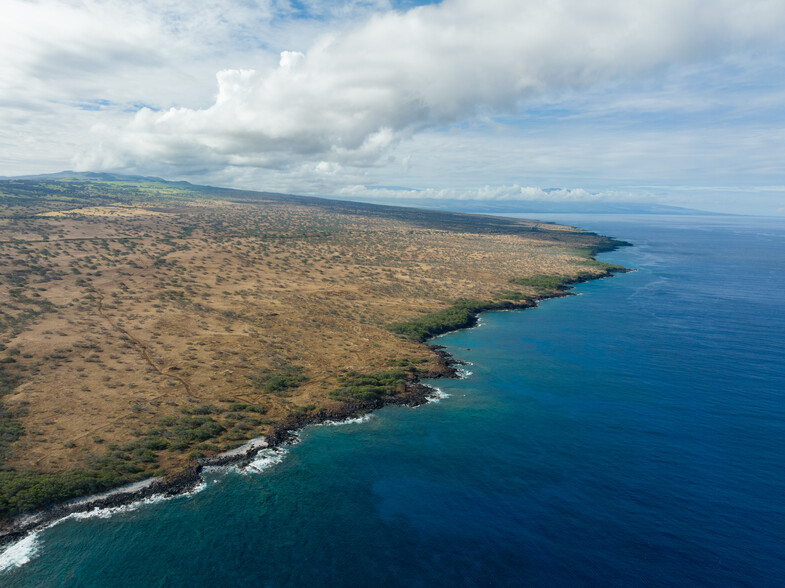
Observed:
{"x":370,"y":386}
{"x":601,"y":265}
{"x":144,"y":323}
{"x":280,"y":379}
{"x":543,"y":283}
{"x":23,"y":490}
{"x":513,"y":295}
{"x":461,"y":314}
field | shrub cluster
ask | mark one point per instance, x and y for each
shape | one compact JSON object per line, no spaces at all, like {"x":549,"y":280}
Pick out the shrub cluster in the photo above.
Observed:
{"x":458,"y":316}
{"x":511,"y":295}
{"x":370,"y":386}
{"x":239,"y":407}
{"x":26,"y":490}
{"x":610,"y":267}
{"x":407,"y":362}
{"x":187,"y":429}
{"x":280,"y":379}
{"x":543,"y":283}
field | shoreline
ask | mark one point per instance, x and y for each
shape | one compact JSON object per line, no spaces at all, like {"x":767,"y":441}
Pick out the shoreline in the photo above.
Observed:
{"x":188,"y":479}
{"x":284,"y":433}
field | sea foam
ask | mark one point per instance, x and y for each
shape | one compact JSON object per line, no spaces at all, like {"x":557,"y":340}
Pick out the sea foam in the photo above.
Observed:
{"x":263,"y":460}
{"x":437,"y":395}
{"x":23,"y":551}
{"x":110,"y":511}
{"x":352,"y":421}
{"x":19,"y":553}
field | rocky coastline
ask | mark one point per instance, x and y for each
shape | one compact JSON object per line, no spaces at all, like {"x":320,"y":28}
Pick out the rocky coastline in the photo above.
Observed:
{"x":284,"y":433}
{"x":189,"y":479}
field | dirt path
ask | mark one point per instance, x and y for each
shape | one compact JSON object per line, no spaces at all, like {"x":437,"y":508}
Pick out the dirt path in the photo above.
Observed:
{"x":143,"y":349}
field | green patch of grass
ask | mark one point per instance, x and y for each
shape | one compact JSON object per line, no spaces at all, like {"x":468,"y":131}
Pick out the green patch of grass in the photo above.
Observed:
{"x":197,"y":428}
{"x":240,"y":407}
{"x":511,"y":295}
{"x":280,"y":379}
{"x":458,"y":316}
{"x":408,"y":363}
{"x":542,"y":283}
{"x":26,"y":490}
{"x":200,"y":409}
{"x":610,"y":267}
{"x":302,"y":410}
{"x":370,"y":386}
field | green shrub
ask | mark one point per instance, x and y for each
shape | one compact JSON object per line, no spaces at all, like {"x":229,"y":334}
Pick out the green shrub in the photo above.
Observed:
{"x":155,"y":444}
{"x":510,"y":295}
{"x":610,"y":267}
{"x":370,"y":386}
{"x":201,"y":409}
{"x":458,"y":316}
{"x":407,"y":362}
{"x":280,"y":379}
{"x":542,"y":283}
{"x":198,"y":428}
{"x":28,"y":490}
{"x":144,"y":455}
{"x":240,"y":407}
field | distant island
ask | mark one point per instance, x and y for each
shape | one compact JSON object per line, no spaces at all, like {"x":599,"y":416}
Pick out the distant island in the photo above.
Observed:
{"x":551,"y":207}
{"x":149,"y":325}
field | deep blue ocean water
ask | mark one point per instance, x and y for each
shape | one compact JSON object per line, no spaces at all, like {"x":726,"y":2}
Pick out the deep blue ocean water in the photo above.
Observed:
{"x":631,"y":435}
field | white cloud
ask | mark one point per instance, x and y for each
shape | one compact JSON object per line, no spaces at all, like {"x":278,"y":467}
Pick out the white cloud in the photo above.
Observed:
{"x":352,"y":96}
{"x":512,"y":193}
{"x":69,"y":65}
{"x":314,"y":96}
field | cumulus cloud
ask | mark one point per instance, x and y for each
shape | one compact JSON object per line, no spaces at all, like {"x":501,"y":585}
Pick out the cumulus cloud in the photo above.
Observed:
{"x":68,"y":66}
{"x":316,"y":95}
{"x":513,"y":193}
{"x":50,"y":49}
{"x":353,"y":95}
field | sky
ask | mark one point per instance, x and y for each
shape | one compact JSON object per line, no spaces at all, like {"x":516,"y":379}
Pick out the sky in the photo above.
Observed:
{"x":678,"y":102}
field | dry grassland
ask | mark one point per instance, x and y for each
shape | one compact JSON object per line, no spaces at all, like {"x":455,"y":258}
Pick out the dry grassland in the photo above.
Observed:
{"x":116,"y":316}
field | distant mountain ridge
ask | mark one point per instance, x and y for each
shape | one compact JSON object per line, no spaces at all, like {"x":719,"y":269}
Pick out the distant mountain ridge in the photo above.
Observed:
{"x":456,"y":205}
{"x":81,"y":189}
{"x":100,"y":176}
{"x":544,"y":206}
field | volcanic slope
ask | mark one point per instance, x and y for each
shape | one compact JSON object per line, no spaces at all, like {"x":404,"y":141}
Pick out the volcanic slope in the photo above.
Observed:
{"x":145,"y":323}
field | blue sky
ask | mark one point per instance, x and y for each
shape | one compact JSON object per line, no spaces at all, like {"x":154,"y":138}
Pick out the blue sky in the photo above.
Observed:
{"x":677,"y":102}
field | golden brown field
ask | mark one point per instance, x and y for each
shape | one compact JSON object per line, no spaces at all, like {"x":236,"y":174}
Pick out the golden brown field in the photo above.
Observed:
{"x":127,"y":326}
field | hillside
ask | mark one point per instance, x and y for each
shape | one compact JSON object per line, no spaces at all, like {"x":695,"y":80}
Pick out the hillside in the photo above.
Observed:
{"x":145,"y":323}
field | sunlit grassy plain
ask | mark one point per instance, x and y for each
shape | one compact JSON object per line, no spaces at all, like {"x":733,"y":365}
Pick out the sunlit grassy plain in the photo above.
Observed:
{"x":146,"y":323}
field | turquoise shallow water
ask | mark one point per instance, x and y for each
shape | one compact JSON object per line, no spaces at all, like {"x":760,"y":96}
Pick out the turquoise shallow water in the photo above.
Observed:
{"x":630,"y":435}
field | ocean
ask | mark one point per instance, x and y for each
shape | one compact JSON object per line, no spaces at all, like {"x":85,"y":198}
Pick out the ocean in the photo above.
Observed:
{"x":633,"y":434}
